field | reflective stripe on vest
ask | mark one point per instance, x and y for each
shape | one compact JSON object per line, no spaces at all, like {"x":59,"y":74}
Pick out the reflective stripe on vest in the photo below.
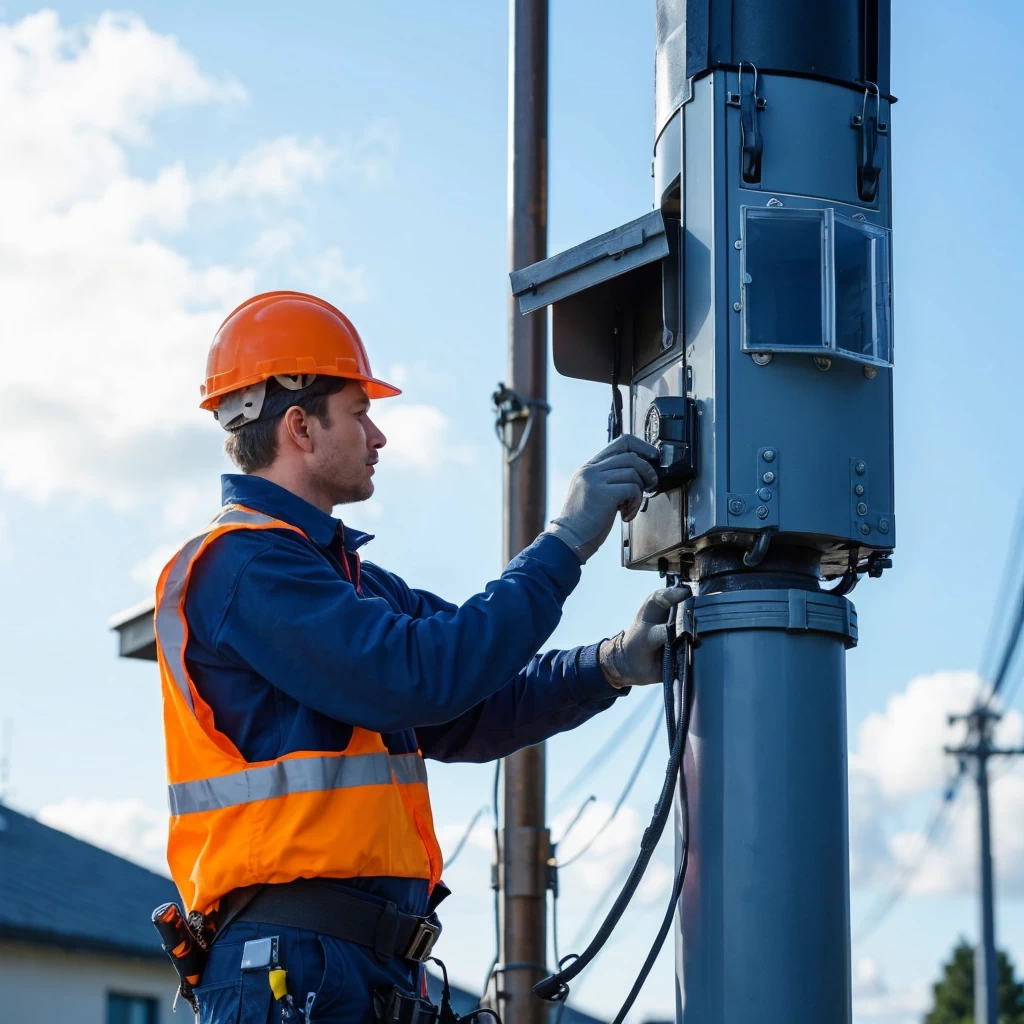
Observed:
{"x":360,"y":812}
{"x":296,"y":775}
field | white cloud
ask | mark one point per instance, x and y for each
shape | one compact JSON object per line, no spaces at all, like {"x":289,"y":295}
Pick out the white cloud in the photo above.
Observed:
{"x":272,"y":242}
{"x":330,"y":273}
{"x":128,"y":828}
{"x":274,"y":168}
{"x":419,"y":437}
{"x":899,"y":758}
{"x":6,"y":550}
{"x":116,"y":318}
{"x":874,"y":1000}
{"x":147,"y":572}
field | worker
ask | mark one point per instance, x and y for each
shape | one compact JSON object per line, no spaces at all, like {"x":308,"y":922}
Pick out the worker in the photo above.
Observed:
{"x":303,"y":687}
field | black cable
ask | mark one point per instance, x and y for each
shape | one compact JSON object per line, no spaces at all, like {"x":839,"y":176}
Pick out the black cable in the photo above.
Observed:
{"x":555,"y":986}
{"x":685,"y":705}
{"x":623,"y":796}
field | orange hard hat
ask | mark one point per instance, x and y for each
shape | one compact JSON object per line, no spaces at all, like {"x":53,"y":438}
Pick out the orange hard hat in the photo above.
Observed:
{"x":288,"y":334}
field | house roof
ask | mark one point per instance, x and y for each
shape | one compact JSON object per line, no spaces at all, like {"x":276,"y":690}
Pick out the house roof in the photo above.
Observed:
{"x":59,"y":890}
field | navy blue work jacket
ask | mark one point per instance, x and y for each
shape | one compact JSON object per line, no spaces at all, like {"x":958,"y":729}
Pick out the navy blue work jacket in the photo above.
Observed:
{"x":292,"y":642}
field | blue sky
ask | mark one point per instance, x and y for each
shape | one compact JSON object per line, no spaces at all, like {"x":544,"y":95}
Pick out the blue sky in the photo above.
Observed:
{"x":163,"y":163}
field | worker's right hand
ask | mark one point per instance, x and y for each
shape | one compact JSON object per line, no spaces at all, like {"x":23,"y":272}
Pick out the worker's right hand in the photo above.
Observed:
{"x":613,"y":481}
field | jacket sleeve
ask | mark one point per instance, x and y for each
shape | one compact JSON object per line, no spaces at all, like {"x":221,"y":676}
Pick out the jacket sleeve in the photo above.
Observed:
{"x":295,"y":622}
{"x":556,"y":691}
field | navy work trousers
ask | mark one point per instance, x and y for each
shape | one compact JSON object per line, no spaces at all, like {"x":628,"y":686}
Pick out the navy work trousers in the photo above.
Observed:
{"x":336,"y":979}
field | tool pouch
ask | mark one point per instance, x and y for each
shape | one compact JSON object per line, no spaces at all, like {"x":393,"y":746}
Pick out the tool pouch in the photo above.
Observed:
{"x":393,"y":1006}
{"x":180,"y":944}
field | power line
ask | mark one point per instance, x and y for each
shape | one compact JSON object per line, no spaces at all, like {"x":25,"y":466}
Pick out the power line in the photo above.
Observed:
{"x":453,"y":856}
{"x":622,"y":796}
{"x":1001,"y":666}
{"x":932,"y":840}
{"x":605,"y":751}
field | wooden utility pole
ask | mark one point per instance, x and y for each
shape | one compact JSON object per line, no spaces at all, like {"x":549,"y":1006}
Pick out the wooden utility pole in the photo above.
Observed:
{"x":525,"y":840}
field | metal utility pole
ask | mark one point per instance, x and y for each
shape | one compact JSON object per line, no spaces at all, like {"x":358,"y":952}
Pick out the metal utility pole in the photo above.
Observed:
{"x":746,"y":324}
{"x":978,"y":748}
{"x":525,"y":841}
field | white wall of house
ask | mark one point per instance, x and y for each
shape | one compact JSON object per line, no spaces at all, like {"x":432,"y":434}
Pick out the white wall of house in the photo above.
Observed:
{"x":44,"y":985}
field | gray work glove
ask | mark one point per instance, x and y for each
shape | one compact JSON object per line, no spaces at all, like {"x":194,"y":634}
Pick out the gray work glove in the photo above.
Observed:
{"x":633,"y":657}
{"x":613,"y":481}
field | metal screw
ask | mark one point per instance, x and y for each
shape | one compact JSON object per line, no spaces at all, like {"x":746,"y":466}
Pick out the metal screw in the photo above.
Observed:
{"x":738,"y":244}
{"x":737,"y":306}
{"x":736,"y":506}
{"x":883,"y":525}
{"x":858,"y":490}
{"x":860,"y":468}
{"x":762,"y":511}
{"x":769,"y":477}
{"x":862,"y":509}
{"x":761,"y":358}
{"x":765,"y":494}
{"x":871,"y":372}
{"x":865,"y":529}
{"x":823,"y":362}
{"x":769,"y":455}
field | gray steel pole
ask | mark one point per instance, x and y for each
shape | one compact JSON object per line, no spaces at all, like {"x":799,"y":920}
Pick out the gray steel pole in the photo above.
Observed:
{"x":986,"y":988}
{"x":525,"y":839}
{"x":763,"y":932}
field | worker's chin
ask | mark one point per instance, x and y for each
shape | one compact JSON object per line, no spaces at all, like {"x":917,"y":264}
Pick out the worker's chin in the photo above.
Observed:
{"x":362,"y":491}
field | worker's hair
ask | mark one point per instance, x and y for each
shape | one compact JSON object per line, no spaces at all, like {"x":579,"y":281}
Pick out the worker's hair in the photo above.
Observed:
{"x":253,"y":446}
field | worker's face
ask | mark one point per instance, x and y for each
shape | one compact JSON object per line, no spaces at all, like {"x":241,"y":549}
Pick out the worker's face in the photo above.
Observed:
{"x":345,"y":452}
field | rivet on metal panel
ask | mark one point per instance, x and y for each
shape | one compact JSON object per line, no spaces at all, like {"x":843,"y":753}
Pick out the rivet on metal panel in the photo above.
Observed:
{"x":738,"y":244}
{"x":737,"y":306}
{"x":769,"y":455}
{"x":862,"y":509}
{"x":768,"y":477}
{"x":761,"y":358}
{"x":823,"y":362}
{"x":883,"y":525}
{"x":858,"y":490}
{"x":864,"y":528}
{"x":860,"y":468}
{"x":736,"y":506}
{"x":871,"y":372}
{"x":765,"y":494}
{"x":762,"y":511}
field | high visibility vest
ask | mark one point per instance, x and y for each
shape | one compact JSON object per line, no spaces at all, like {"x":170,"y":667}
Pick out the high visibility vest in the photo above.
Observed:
{"x":357,"y":812}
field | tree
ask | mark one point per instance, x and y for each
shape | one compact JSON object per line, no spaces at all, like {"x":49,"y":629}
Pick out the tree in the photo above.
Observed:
{"x":954,"y":993}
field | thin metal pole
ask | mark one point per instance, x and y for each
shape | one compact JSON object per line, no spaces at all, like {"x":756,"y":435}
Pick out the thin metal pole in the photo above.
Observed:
{"x":978,"y":749}
{"x":986,"y":989}
{"x":525,"y":840}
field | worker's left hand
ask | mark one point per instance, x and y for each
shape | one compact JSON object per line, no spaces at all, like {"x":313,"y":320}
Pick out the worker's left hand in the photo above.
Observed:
{"x":633,"y":657}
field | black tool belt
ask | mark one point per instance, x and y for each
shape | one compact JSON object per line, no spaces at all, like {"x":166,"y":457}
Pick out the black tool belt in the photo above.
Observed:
{"x":319,"y":907}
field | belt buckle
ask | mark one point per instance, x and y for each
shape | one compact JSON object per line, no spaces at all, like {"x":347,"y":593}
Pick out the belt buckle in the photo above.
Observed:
{"x":422,"y":942}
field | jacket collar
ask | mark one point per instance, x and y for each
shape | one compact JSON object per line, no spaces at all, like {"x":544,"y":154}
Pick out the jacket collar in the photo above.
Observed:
{"x":273,"y":500}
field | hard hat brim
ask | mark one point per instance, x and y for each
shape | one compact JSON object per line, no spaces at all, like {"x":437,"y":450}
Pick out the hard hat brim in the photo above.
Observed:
{"x":373,"y":387}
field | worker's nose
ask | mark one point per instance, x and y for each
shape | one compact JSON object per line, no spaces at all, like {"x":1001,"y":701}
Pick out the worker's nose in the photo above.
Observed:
{"x":375,"y":438}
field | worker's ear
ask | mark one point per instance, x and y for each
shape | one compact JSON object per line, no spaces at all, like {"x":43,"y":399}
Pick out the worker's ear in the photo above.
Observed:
{"x":295,"y":427}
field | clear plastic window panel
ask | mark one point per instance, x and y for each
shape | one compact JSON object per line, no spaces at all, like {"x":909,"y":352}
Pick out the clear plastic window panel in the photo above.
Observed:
{"x":784,"y":280}
{"x":815,"y":280}
{"x":861,"y":291}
